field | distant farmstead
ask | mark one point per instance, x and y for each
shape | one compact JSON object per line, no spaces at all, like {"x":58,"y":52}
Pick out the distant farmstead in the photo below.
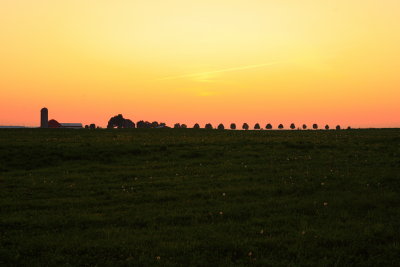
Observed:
{"x":45,"y":123}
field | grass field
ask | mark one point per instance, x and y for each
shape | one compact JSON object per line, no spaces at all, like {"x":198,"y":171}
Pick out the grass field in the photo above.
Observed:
{"x":199,"y":197}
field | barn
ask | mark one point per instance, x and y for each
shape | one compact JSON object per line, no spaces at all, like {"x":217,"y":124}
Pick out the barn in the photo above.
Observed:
{"x":71,"y":125}
{"x":56,"y":124}
{"x":45,"y":123}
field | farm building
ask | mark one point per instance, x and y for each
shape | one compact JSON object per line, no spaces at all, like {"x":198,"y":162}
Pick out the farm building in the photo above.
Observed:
{"x":45,"y":123}
{"x":71,"y":125}
{"x":56,"y":124}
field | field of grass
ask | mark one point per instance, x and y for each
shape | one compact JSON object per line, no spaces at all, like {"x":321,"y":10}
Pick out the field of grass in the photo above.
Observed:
{"x":189,"y":197}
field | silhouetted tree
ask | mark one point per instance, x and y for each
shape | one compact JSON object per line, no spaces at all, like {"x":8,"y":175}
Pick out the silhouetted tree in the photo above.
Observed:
{"x":196,"y":126}
{"x":315,"y":126}
{"x":338,"y":127}
{"x":183,"y":126}
{"x":129,"y":124}
{"x":154,"y":124}
{"x":304,"y":126}
{"x":233,"y":126}
{"x":280,"y":126}
{"x":116,"y":121}
{"x":327,"y":127}
{"x":143,"y":124}
{"x":257,"y":126}
{"x":177,"y":125}
{"x":140,"y":124}
{"x":245,"y":126}
{"x":221,"y":126}
{"x":269,"y":126}
{"x":86,"y":126}
{"x":208,"y":126}
{"x":92,"y":126}
{"x":348,"y":128}
{"x":119,"y":122}
{"x":292,"y":126}
{"x":162,"y":125}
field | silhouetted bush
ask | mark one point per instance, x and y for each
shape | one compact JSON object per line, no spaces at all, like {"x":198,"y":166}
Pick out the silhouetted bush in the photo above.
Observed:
{"x":177,"y":125}
{"x":304,"y":127}
{"x":315,"y":126}
{"x":196,"y":126}
{"x":221,"y":126}
{"x":327,"y":127}
{"x":268,"y":126}
{"x":183,"y":126}
{"x":292,"y":126}
{"x":257,"y":126}
{"x":92,"y":126}
{"x":143,"y":124}
{"x":140,"y":124}
{"x":233,"y":126}
{"x":280,"y":126}
{"x":208,"y":126}
{"x":245,"y":126}
{"x":154,"y":124}
{"x":338,"y":127}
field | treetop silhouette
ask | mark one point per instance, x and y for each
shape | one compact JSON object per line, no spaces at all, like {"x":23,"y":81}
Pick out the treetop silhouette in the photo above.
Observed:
{"x":120,"y":122}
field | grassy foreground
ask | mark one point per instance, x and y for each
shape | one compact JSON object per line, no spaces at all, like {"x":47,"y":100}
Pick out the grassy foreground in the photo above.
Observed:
{"x":199,"y":197}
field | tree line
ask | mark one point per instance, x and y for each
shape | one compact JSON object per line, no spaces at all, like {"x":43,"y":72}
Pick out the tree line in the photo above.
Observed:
{"x":120,"y":122}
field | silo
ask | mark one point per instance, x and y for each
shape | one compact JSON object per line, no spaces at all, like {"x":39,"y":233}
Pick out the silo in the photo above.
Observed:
{"x":44,"y":118}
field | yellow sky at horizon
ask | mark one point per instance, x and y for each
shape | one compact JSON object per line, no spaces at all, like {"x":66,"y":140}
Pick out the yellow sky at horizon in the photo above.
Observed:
{"x":201,"y":61}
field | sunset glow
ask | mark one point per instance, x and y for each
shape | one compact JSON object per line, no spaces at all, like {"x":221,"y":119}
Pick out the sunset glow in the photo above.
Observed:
{"x":217,"y":61}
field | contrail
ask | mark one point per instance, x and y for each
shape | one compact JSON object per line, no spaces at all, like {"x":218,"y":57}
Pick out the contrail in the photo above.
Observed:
{"x":219,"y":71}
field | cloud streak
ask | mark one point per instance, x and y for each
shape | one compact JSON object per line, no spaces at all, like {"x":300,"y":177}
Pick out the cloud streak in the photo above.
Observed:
{"x":209,"y":73}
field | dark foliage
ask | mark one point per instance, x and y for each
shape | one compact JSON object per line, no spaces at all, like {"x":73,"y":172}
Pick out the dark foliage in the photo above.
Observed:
{"x":143,"y":124}
{"x":119,"y":122}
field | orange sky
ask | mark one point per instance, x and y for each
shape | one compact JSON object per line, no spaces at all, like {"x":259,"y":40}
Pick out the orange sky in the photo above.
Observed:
{"x":300,"y":61}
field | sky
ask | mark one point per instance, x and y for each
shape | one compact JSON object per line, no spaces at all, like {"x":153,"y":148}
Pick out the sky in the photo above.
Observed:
{"x":218,"y":61}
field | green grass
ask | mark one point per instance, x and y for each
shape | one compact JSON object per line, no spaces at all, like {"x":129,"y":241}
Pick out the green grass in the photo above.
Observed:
{"x":180,"y":197}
